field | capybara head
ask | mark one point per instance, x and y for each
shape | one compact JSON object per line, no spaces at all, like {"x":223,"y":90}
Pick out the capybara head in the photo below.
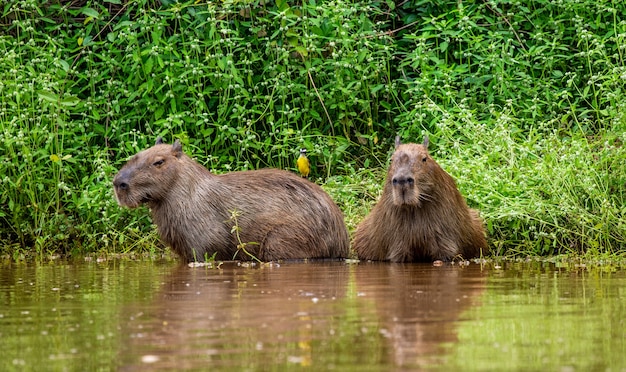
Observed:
{"x":147,"y":176}
{"x":410,"y":174}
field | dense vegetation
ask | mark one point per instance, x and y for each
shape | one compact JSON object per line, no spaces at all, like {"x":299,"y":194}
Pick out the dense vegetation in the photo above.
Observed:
{"x":523,"y":102}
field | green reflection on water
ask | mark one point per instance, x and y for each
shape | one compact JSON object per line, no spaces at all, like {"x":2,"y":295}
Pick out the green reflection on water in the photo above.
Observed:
{"x":544,"y":319}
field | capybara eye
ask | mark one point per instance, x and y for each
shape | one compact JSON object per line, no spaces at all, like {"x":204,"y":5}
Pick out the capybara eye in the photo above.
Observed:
{"x":158,"y":162}
{"x":424,"y":159}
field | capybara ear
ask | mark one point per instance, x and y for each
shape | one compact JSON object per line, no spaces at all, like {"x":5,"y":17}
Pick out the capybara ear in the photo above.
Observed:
{"x":159,"y":140}
{"x":177,"y":148}
{"x":398,"y":143}
{"x":425,"y":142}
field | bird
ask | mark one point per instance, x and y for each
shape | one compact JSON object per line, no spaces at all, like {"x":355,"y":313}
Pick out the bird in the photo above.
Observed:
{"x":303,"y":164}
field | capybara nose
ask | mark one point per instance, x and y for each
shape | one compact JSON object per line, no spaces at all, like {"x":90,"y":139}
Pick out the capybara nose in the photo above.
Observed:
{"x":120,"y":184}
{"x":401,"y":181}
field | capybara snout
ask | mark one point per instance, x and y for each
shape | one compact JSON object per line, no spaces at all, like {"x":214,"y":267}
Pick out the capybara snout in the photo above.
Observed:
{"x":120,"y":184}
{"x":121,"y":181}
{"x":403,"y":174}
{"x":402,"y":180}
{"x":121,"y":187}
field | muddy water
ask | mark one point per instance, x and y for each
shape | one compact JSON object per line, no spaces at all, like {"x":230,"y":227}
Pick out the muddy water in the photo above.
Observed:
{"x":152,"y":315}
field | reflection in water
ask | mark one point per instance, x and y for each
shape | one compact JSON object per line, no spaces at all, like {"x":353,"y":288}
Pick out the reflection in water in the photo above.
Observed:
{"x":236,"y":316}
{"x":419,"y":305}
{"x":301,"y":313}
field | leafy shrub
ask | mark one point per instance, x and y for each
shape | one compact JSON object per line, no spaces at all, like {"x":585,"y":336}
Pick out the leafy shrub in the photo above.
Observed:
{"x":523,"y":102}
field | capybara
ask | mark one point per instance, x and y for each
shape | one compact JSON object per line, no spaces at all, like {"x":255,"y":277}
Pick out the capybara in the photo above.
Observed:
{"x":280,"y":215}
{"x":421,"y":215}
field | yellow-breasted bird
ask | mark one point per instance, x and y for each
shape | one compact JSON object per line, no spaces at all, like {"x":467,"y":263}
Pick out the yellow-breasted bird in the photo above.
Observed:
{"x":303,"y":164}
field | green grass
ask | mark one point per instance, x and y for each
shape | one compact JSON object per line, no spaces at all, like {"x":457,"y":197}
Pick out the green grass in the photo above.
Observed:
{"x":523,"y":102}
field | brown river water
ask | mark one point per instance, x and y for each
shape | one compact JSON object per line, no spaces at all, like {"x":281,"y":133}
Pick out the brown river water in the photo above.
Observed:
{"x":127,"y":315}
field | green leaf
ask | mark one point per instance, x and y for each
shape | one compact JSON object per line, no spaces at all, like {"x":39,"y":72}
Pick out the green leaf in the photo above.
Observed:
{"x":477,"y":79}
{"x":302,"y":51}
{"x":147,"y":86}
{"x":69,"y":101}
{"x":48,"y":96}
{"x":159,"y":113}
{"x":282,"y":5}
{"x":376,"y":88}
{"x":87,"y":41}
{"x":64,"y":65}
{"x":147,"y":67}
{"x":315,"y":114}
{"x":90,"y":12}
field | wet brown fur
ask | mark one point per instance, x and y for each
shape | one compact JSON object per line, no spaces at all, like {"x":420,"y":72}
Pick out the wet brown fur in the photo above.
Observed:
{"x":289,"y":217}
{"x":421,"y":215}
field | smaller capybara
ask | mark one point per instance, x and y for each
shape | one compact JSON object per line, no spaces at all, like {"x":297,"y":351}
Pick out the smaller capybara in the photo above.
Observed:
{"x":421,"y":215}
{"x":280,"y":215}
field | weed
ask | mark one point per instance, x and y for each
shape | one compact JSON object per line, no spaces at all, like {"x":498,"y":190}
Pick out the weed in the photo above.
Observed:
{"x":241,"y":246}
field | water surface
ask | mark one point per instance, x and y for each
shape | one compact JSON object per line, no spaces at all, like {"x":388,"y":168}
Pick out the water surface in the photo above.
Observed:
{"x":161,"y":315}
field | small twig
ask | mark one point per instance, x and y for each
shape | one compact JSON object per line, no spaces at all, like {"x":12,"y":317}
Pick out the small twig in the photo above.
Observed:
{"x":332,"y":129}
{"x":391,"y":32}
{"x":82,"y":50}
{"x":401,"y":28}
{"x":401,"y":4}
{"x":507,"y":22}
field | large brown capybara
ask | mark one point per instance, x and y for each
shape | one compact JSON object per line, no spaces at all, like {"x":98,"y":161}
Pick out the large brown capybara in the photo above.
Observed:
{"x":421,"y":215}
{"x":281,"y":215}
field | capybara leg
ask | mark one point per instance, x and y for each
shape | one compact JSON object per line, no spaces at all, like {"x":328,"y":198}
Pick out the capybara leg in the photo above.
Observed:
{"x":444,"y":249}
{"x":281,"y":242}
{"x":400,"y":255}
